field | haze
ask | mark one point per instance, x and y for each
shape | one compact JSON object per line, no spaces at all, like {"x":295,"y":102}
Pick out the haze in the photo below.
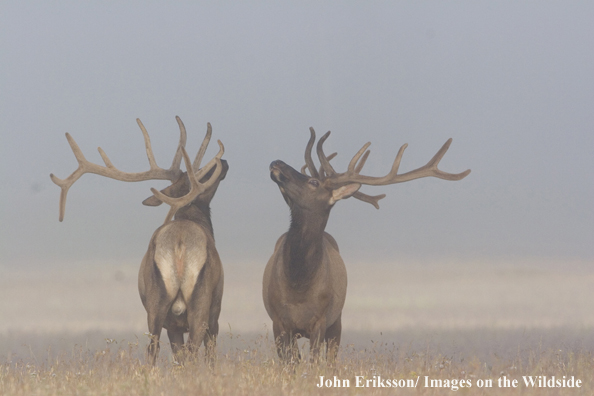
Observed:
{"x":512,"y":83}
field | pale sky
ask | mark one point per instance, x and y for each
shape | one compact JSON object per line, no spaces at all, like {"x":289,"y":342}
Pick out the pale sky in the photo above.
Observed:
{"x":511,"y":82}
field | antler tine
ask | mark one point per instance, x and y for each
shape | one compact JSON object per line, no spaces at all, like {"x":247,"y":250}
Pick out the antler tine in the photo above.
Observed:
{"x":147,"y":143}
{"x":372,"y":199}
{"x":105,"y":158}
{"x":324,"y":161}
{"x":203,"y":147}
{"x":432,"y":165}
{"x":395,"y":164}
{"x":65,"y":184}
{"x":321,"y":170}
{"x":182,"y":143}
{"x":196,"y":187}
{"x":109,"y":170}
{"x":355,"y":159}
{"x":205,"y":169}
{"x":331,"y":156}
{"x":361,"y":163}
{"x":308,"y":160}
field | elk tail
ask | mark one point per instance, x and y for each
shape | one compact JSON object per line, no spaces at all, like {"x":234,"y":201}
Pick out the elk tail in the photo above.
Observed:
{"x":179,"y":305}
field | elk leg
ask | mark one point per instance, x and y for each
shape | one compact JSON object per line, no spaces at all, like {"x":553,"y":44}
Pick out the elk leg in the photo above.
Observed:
{"x":286,"y":344}
{"x":279,"y":339}
{"x":198,"y":318}
{"x":198,"y":326}
{"x":210,"y":337}
{"x":332,"y":339}
{"x":176,"y":338}
{"x":198,"y":322}
{"x":210,"y":342}
{"x":294,"y":347}
{"x":155,"y":325}
{"x":316,"y":337}
{"x":211,"y":333}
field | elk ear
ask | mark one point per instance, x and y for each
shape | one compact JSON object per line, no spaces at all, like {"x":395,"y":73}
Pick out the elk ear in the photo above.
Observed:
{"x":152,"y":201}
{"x":179,"y":188}
{"x":344,"y":192}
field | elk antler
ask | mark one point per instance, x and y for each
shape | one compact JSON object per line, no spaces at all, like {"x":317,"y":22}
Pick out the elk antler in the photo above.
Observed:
{"x":109,"y":170}
{"x":308,"y":160}
{"x":202,"y":150}
{"x":428,"y":170}
{"x":323,"y":175}
{"x":321,"y":171}
{"x":333,"y":180}
{"x":196,"y":187}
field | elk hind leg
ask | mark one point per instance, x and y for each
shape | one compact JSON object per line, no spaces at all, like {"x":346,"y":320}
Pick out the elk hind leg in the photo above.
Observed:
{"x":156,"y":319}
{"x":210,"y":338}
{"x":198,"y":322}
{"x":176,"y":338}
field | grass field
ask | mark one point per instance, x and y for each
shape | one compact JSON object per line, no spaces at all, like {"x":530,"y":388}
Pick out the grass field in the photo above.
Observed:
{"x":77,"y":330}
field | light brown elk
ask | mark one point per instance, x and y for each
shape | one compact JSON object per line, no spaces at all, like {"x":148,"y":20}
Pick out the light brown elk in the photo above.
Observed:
{"x":305,"y":280}
{"x":181,"y":277}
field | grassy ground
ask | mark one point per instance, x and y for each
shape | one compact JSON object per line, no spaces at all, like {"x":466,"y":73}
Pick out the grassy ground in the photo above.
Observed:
{"x":79,"y":331}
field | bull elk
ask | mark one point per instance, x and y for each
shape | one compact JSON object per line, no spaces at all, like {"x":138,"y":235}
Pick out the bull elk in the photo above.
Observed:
{"x":305,"y":280}
{"x":181,"y":277}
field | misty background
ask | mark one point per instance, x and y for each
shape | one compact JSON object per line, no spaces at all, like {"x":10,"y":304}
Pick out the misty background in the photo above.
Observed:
{"x":511,"y":82}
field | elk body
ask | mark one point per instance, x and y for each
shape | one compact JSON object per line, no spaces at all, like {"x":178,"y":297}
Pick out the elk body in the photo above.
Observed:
{"x":181,"y":276}
{"x":305,"y":280}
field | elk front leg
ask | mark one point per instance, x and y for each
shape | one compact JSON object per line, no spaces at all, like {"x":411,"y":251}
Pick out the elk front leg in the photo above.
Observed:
{"x":332,"y":339}
{"x":316,"y":338}
{"x":286,"y":344}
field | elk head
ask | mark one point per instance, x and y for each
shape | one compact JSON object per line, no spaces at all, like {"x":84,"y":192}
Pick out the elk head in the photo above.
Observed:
{"x":301,"y":191}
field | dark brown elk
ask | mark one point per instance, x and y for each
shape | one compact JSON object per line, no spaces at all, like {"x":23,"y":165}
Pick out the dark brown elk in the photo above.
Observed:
{"x":305,"y":280}
{"x":181,"y":277}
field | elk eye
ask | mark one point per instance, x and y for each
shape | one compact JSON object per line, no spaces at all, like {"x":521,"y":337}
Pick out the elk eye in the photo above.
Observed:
{"x":314,"y":182}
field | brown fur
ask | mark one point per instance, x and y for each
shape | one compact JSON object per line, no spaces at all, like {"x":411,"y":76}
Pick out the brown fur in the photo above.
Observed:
{"x":304,"y":286}
{"x":305,"y":280}
{"x":181,"y":277}
{"x":194,"y":274}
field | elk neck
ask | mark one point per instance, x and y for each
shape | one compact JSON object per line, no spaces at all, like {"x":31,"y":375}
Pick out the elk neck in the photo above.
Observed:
{"x":303,"y":251}
{"x":197,"y":212}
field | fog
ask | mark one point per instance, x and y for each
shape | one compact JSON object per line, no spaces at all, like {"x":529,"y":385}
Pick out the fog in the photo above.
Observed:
{"x":511,"y":83}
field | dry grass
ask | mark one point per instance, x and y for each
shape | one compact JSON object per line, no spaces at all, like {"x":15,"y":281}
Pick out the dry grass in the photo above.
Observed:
{"x":248,"y":366}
